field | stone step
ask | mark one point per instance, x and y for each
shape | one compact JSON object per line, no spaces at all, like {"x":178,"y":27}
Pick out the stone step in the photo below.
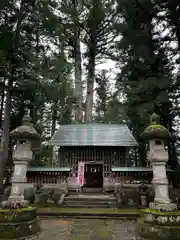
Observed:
{"x":95,"y":200}
{"x":91,"y":197}
{"x":73,"y":205}
{"x":89,"y":193}
{"x":89,"y":202}
{"x":92,"y":190}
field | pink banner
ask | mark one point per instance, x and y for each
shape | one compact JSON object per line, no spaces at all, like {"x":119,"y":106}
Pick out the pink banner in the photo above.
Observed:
{"x":80,"y":174}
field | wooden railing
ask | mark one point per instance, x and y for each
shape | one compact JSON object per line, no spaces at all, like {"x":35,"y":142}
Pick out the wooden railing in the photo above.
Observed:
{"x":135,"y":175}
{"x":122,"y":175}
{"x":47,"y":175}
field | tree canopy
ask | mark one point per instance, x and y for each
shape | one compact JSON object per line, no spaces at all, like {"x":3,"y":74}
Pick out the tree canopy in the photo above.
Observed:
{"x":51,"y":63}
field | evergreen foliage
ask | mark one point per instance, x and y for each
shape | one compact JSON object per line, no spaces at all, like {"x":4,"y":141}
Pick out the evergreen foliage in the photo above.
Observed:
{"x":50,"y":53}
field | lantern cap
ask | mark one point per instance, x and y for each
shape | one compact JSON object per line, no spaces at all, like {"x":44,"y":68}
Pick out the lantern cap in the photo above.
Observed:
{"x":155,"y":130}
{"x":26,"y":130}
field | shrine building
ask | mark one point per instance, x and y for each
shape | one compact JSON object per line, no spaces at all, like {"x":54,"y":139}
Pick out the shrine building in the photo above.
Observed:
{"x":100,"y":149}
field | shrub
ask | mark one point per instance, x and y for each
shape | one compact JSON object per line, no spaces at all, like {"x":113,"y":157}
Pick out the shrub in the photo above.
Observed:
{"x":7,"y":193}
{"x":56,"y":194}
{"x":41,"y":196}
{"x":29,"y":194}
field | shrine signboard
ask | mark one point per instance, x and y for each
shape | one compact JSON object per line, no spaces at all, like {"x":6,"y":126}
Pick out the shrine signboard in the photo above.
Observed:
{"x":80,"y":173}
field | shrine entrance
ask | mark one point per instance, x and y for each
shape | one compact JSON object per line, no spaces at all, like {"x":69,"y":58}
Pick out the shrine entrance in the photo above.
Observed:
{"x":93,"y":176}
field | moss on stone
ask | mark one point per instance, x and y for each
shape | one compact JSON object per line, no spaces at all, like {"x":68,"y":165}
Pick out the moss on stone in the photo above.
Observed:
{"x":155,"y":126}
{"x":157,"y":225}
{"x":154,"y":211}
{"x":155,"y":131}
{"x":18,"y":223}
{"x":19,"y":229}
{"x":156,"y":232}
{"x":88,"y":210}
{"x":102,"y":233}
{"x":17,"y":215}
{"x":18,"y":209}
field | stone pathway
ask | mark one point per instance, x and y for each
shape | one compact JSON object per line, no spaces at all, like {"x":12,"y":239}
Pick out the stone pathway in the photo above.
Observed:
{"x":88,"y":229}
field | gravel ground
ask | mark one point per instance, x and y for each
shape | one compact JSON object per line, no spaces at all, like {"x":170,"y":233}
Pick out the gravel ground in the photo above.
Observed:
{"x":88,"y":229}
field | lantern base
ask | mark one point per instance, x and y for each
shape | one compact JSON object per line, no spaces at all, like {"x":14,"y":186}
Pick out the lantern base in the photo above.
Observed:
{"x":165,"y":207}
{"x":19,"y":224}
{"x":157,"y":225}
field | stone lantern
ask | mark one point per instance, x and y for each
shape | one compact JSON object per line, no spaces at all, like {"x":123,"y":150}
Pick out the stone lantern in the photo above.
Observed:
{"x":160,"y":220}
{"x":18,"y":219}
{"x":157,"y":135}
{"x":25,"y":135}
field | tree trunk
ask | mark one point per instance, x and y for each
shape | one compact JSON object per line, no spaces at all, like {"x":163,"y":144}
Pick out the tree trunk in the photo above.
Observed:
{"x":78,"y":81}
{"x":12,"y":57}
{"x":78,"y":69}
{"x":2,"y":103}
{"x":5,"y":135}
{"x":54,"y":117}
{"x":90,"y":89}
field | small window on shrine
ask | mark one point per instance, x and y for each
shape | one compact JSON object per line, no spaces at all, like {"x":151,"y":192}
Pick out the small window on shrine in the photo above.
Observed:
{"x":22,"y":141}
{"x":158,"y":142}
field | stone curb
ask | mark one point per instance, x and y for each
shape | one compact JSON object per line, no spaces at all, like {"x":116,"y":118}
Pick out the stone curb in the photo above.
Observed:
{"x":89,"y":215}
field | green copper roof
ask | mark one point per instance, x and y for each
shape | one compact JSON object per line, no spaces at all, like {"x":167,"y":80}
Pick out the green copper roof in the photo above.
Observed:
{"x":96,"y":134}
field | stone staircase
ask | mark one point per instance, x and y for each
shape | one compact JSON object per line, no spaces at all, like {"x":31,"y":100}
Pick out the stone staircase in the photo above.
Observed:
{"x":90,"y":200}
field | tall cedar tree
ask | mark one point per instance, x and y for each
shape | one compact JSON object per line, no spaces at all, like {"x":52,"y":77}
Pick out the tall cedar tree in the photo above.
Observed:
{"x":146,"y":74}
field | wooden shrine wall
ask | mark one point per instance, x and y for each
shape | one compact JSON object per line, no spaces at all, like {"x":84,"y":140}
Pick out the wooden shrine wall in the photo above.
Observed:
{"x":109,"y":156}
{"x":47,"y":177}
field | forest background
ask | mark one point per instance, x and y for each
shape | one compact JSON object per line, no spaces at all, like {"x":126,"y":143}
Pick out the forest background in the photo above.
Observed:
{"x":85,"y":61}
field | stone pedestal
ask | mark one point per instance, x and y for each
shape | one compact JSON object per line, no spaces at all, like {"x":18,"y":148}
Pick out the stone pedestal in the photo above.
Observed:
{"x":22,"y":156}
{"x":157,"y":225}
{"x":158,"y":157}
{"x":19,"y":224}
